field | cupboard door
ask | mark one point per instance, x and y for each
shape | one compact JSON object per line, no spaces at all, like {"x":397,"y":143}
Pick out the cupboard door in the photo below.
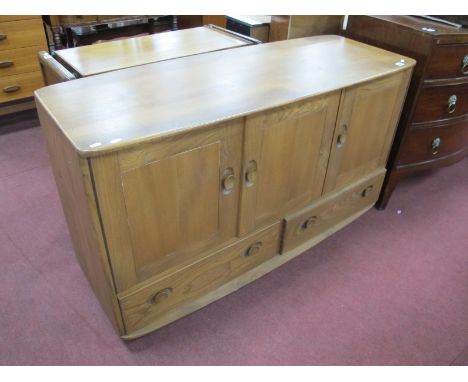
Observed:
{"x":365,"y":128}
{"x":285,"y":158}
{"x":166,"y":204}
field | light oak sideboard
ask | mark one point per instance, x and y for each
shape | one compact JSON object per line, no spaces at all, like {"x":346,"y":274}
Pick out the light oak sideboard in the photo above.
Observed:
{"x":250,"y":157}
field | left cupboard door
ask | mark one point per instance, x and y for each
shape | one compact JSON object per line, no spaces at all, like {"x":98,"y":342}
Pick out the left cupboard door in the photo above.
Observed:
{"x":166,"y":204}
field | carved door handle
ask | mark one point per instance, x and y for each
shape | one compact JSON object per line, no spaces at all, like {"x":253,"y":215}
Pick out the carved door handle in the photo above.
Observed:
{"x":342,"y":138}
{"x":11,"y":88}
{"x":253,"y":249}
{"x":451,"y":103}
{"x":251,"y":173}
{"x":435,"y":145}
{"x":464,"y":65}
{"x":160,"y":296}
{"x":6,"y":63}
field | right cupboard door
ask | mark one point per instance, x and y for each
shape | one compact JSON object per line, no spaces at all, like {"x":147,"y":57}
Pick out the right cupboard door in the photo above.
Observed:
{"x":286,"y":153}
{"x":365,"y":128}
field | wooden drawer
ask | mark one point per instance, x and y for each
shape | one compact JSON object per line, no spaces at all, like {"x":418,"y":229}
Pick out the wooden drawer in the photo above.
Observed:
{"x":448,"y":61}
{"x":22,"y":33}
{"x":21,"y":60}
{"x":324,"y":214}
{"x":147,"y":304}
{"x":422,"y":145}
{"x":441,"y":102}
{"x":26,"y":84}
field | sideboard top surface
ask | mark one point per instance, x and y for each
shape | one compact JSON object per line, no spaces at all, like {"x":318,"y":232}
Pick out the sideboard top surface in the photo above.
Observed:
{"x":95,"y":59}
{"x":100,"y":114}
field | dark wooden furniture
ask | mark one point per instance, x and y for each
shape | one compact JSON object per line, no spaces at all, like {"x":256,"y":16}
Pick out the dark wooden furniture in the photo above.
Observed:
{"x":433,"y":129}
{"x":70,"y":31}
{"x":257,"y":27}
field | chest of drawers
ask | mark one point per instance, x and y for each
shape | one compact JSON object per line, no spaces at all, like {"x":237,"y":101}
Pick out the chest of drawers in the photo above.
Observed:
{"x":174,"y":200}
{"x":21,"y":38}
{"x":433,"y":130}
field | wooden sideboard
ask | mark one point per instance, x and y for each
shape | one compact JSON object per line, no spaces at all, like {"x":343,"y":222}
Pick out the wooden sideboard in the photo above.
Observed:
{"x":90,"y":60}
{"x":433,"y":130}
{"x":174,"y":199}
{"x":288,"y":27}
{"x":21,"y":38}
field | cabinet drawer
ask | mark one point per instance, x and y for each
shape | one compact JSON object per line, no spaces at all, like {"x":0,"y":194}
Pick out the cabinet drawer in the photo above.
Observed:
{"x":18,"y":17}
{"x":19,"y":86}
{"x":326,"y":213}
{"x":448,"y":61}
{"x":441,"y":102}
{"x":143,"y":306}
{"x":21,"y":33}
{"x":423,"y":145}
{"x":21,"y":60}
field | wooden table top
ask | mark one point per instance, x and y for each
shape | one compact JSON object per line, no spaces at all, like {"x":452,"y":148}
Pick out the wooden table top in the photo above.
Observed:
{"x":95,"y":59}
{"x":101,"y":114}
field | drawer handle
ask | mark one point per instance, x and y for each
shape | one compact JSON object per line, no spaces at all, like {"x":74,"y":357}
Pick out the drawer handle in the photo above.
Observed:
{"x":251,"y":173}
{"x":3,"y":36}
{"x":464,"y":66}
{"x":11,"y":88}
{"x":366,"y":192}
{"x":6,"y":63}
{"x":435,"y":145}
{"x":253,"y":249}
{"x":451,"y":103}
{"x":341,"y":140}
{"x":309,"y":222}
{"x":229,"y":180}
{"x":160,"y":296}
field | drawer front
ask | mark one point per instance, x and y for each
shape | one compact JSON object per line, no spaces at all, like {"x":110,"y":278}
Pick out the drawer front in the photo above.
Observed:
{"x":149,"y":303}
{"x":21,"y":34}
{"x":323,"y":215}
{"x":441,"y":102}
{"x":18,"y":61}
{"x":18,"y":17}
{"x":19,"y":86}
{"x":422,"y":145}
{"x":448,"y":61}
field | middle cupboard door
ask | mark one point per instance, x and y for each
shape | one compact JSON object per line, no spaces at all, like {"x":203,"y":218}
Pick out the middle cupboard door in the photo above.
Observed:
{"x":285,"y":159}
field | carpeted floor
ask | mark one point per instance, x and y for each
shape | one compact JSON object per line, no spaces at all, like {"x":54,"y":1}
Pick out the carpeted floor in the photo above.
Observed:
{"x":388,"y":289}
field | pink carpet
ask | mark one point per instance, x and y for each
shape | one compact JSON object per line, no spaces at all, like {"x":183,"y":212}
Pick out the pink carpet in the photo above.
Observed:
{"x":390,"y":289}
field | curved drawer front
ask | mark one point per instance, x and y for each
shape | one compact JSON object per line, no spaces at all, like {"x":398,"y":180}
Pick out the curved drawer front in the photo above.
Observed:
{"x":441,"y":102}
{"x":448,"y":61}
{"x":146,"y":305}
{"x":423,"y":145}
{"x":316,"y":219}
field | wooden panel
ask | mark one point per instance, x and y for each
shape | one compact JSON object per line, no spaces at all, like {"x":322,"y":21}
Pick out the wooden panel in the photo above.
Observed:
{"x":22,"y":33}
{"x":18,"y":61}
{"x":421,"y":146}
{"x":143,"y":306}
{"x":18,"y":17}
{"x":219,"y":20}
{"x":19,"y":86}
{"x":307,"y":25}
{"x":288,"y":148}
{"x":74,"y":183}
{"x":327,"y":212}
{"x":94,"y":59}
{"x":279,"y":28}
{"x":251,"y":79}
{"x":365,"y":128}
{"x":433,"y":103}
{"x":448,"y":61}
{"x":164,"y":205}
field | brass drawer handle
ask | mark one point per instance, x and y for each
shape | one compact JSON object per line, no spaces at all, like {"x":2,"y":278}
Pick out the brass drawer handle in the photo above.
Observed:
{"x":11,"y":88}
{"x":3,"y":36}
{"x":6,"y":63}
{"x":251,"y":173}
{"x":435,"y":145}
{"x":309,"y":222}
{"x":253,"y":249}
{"x":342,"y":138}
{"x":464,"y":66}
{"x":160,"y":296}
{"x":451,"y":103}
{"x":366,"y":192}
{"x":229,"y":180}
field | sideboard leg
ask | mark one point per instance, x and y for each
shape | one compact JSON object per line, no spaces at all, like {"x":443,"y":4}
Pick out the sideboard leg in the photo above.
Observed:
{"x":387,"y":190}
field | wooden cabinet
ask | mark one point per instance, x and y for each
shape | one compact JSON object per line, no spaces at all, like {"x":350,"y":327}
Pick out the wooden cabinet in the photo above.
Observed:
{"x":174,"y":200}
{"x":21,"y":38}
{"x":433,"y":128}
